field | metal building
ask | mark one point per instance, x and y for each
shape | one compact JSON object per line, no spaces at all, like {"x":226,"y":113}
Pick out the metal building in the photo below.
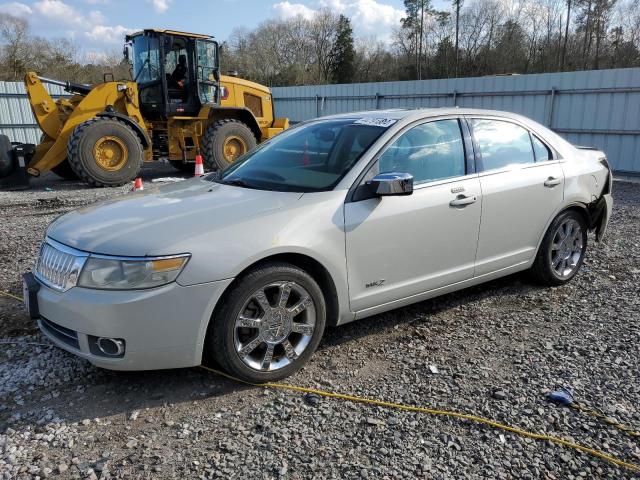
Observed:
{"x":599,"y":108}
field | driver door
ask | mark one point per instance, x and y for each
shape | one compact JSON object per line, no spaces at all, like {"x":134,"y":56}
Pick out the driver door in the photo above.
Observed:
{"x":400,"y":246}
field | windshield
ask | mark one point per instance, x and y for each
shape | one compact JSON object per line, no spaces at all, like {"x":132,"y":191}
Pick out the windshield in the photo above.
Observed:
{"x":146,"y":59}
{"x":308,"y":158}
{"x":146,"y":68}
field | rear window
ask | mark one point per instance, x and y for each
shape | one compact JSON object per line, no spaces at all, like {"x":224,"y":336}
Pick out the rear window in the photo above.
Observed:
{"x":541,"y":151}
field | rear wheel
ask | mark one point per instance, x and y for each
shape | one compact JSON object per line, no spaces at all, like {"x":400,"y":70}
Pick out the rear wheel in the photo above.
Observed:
{"x":105,"y":152}
{"x":562,"y":250}
{"x":225,"y":141}
{"x":269,"y":325}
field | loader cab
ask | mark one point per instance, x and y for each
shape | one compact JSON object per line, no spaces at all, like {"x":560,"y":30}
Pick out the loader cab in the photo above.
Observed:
{"x":176,"y":72}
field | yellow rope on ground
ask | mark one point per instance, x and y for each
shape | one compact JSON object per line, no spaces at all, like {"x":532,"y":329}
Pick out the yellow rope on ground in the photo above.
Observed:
{"x":602,"y":417}
{"x":433,"y":411}
{"x":448,"y":413}
{"x":11,"y":295}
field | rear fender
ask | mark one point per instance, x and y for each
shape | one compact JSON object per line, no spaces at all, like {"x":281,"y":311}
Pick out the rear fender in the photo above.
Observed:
{"x":242,"y":114}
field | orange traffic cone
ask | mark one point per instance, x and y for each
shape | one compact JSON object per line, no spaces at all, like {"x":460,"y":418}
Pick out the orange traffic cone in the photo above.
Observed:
{"x":137,"y":185}
{"x":199,"y":166}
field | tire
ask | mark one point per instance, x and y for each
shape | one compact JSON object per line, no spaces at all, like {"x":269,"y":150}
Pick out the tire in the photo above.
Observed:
{"x":222,"y":131}
{"x":261,"y":327}
{"x":7,"y":160}
{"x":64,"y":170}
{"x":558,"y":260}
{"x":112,"y":135}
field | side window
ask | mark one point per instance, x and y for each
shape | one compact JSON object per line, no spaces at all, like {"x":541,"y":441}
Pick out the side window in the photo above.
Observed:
{"x":253,"y":103}
{"x":502,"y":143}
{"x":431,"y":151}
{"x":541,"y":151}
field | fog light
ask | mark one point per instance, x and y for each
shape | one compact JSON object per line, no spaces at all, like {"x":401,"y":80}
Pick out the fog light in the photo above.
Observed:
{"x":111,"y":347}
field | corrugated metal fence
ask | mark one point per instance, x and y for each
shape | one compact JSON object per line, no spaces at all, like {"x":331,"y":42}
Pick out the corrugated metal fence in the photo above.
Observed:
{"x":16,"y":119}
{"x":599,"y":108}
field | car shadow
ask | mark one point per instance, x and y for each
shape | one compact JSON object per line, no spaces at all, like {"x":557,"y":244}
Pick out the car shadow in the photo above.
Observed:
{"x":419,"y":312}
{"x":104,"y":394}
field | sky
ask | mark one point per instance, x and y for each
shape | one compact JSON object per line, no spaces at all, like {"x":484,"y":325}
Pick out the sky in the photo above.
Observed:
{"x":99,"y":26}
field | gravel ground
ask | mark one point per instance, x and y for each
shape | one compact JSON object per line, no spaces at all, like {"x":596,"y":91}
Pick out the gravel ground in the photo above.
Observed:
{"x":497,"y":348}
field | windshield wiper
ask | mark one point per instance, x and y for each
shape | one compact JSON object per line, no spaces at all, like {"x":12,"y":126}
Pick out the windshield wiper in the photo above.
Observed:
{"x":236,"y":182}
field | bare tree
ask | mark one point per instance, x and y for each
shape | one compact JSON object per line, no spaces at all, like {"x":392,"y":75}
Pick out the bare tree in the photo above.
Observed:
{"x":16,"y":52}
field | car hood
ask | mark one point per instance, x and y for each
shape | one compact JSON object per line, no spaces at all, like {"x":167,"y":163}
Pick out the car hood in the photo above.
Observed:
{"x":155,"y":221}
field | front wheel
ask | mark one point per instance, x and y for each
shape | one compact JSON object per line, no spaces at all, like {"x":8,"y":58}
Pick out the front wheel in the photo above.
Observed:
{"x":105,"y":152}
{"x":562,"y":249}
{"x":269,"y":325}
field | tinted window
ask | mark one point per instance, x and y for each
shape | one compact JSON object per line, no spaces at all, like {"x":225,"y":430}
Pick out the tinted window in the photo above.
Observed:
{"x":540,"y":149}
{"x":431,"y":151}
{"x":308,"y":158}
{"x":502,"y":143}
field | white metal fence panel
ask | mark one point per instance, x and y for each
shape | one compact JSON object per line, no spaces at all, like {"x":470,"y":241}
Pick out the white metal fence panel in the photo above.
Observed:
{"x":16,"y":118}
{"x":599,"y":108}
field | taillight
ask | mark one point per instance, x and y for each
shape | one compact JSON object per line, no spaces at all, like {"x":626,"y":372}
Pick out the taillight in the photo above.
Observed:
{"x":224,"y":93}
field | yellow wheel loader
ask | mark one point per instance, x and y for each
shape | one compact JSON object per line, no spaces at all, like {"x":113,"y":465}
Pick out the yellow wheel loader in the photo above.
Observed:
{"x":178,"y":105}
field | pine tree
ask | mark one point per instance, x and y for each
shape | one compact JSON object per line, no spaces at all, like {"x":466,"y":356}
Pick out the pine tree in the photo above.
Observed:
{"x":343,"y":54}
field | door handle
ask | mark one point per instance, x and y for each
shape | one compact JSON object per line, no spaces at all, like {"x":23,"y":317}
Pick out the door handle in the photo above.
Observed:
{"x":552,"y":182}
{"x":462,"y":201}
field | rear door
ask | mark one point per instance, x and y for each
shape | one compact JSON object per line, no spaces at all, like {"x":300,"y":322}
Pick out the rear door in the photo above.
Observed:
{"x":522,"y":185}
{"x":401,"y":246}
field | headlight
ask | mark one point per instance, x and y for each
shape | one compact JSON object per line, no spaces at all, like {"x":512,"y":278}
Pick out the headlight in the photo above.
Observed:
{"x":125,"y":274}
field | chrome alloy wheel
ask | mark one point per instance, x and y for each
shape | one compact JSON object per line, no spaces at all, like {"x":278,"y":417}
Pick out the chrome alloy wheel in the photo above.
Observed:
{"x":274,"y":326}
{"x":566,"y":248}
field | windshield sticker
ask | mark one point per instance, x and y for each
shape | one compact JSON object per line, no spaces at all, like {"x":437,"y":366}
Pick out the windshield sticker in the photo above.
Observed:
{"x":376,"y":122}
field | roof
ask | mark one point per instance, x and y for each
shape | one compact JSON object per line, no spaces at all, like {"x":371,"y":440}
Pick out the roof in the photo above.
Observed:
{"x":406,"y":113}
{"x":171,"y":32}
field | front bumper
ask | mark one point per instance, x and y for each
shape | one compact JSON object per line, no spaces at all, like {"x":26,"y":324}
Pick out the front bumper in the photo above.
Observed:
{"x":163,"y":327}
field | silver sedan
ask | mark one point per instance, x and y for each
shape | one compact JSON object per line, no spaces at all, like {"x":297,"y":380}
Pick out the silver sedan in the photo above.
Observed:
{"x":335,"y":220}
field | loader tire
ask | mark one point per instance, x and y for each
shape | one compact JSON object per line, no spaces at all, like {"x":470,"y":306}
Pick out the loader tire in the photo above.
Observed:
{"x":105,"y":152}
{"x":7,"y":161}
{"x":226,"y":140}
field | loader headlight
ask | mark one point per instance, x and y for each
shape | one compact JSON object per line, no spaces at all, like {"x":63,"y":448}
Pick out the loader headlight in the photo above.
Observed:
{"x":128,"y":274}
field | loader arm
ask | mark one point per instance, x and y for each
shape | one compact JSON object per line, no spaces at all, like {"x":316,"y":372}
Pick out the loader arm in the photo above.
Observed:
{"x":59,"y":119}
{"x":44,"y":108}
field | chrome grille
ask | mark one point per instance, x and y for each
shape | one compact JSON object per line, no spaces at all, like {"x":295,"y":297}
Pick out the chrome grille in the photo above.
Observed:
{"x":58,"y":266}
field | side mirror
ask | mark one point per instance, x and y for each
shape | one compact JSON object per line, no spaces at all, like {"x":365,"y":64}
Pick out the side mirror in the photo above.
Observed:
{"x":394,"y":183}
{"x":126,"y":52}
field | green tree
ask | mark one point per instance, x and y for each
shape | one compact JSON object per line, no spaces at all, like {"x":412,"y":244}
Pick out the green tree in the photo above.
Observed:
{"x":413,"y":23}
{"x":343,"y":53}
